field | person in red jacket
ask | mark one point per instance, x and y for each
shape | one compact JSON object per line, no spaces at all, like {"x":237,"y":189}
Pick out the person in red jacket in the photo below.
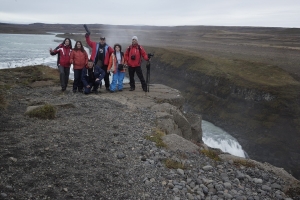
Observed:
{"x":63,"y":50}
{"x":100,"y":51}
{"x":79,"y":59}
{"x":133,"y":58}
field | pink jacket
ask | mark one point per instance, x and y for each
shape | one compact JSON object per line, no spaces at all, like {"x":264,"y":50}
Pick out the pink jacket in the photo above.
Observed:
{"x":79,"y":59}
{"x":113,"y":63}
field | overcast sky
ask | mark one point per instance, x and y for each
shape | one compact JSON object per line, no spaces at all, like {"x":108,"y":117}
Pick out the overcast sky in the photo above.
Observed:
{"x":268,"y":13}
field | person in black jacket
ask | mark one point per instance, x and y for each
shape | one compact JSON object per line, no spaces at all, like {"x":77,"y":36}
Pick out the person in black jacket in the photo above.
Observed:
{"x":92,"y":77}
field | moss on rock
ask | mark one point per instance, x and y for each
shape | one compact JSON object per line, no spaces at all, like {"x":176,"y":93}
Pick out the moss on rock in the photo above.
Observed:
{"x":46,"y":111}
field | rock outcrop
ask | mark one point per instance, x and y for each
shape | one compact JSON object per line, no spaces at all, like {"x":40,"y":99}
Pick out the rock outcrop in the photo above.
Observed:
{"x":260,"y":118}
{"x":183,"y":129}
{"x":98,"y":144}
{"x":171,"y":120}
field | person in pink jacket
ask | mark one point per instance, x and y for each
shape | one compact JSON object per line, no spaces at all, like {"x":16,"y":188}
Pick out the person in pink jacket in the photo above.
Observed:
{"x":79,"y":59}
{"x":116,"y":66}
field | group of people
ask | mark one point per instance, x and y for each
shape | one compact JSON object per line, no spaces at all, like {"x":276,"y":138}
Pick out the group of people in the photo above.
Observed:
{"x":104,"y":60}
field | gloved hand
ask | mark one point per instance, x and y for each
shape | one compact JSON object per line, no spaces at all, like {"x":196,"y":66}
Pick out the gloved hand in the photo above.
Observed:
{"x":87,"y":35}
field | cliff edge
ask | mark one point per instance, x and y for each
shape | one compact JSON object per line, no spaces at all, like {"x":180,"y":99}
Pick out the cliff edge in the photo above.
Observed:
{"x":123,"y":145}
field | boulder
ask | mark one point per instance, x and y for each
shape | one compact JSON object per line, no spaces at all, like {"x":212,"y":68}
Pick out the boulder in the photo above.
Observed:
{"x":175,"y":142}
{"x":196,"y":126}
{"x":175,"y":118}
{"x":165,"y":122}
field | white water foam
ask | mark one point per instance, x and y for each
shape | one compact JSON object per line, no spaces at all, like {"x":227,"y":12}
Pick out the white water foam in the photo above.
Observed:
{"x":51,"y":60}
{"x":215,"y":137}
{"x":19,"y":50}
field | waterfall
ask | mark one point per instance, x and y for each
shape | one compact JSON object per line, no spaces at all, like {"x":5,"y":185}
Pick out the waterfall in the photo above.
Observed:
{"x":215,"y":137}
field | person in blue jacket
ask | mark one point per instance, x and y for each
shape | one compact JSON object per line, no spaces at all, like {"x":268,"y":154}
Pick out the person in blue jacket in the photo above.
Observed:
{"x":91,"y":77}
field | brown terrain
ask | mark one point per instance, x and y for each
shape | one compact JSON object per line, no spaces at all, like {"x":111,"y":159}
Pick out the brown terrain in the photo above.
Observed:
{"x":244,"y":79}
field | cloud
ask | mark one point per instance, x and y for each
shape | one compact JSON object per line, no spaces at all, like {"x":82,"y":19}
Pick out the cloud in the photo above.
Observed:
{"x":155,"y":12}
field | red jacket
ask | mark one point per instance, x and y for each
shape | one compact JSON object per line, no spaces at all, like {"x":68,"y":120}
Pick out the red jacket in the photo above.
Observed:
{"x":64,"y":55}
{"x":113,"y":63}
{"x":95,"y":47}
{"x":79,"y":59}
{"x":139,"y":52}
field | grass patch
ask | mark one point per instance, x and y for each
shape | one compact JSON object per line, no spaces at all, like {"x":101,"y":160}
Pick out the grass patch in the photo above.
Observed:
{"x":46,"y":111}
{"x":24,"y":76}
{"x":241,"y":72}
{"x":3,"y":102}
{"x":172,"y":164}
{"x":243,"y":162}
{"x":211,"y":154}
{"x":27,"y":75}
{"x":182,"y":155}
{"x":157,"y":138}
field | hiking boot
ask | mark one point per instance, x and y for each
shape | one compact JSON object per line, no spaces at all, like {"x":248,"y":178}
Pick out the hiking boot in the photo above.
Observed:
{"x":120,"y":90}
{"x":107,"y":89}
{"x":95,"y":91}
{"x":81,"y":91}
{"x":132,"y":89}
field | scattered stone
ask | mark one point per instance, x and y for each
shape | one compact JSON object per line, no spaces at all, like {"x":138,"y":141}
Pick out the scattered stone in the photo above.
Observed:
{"x":207,"y":168}
{"x":13,"y":159}
{"x":148,"y":182}
{"x":266,"y":188}
{"x":84,"y":151}
{"x":276,"y":186}
{"x":3,"y":195}
{"x":180,"y":171}
{"x":170,"y":185}
{"x":121,"y":155}
{"x":257,"y":180}
{"x":227,"y":185}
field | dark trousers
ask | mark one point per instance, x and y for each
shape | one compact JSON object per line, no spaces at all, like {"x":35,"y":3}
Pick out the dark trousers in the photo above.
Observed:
{"x":64,"y":73}
{"x":94,"y":87}
{"x":139,"y":73}
{"x":77,"y":80}
{"x":106,"y":77}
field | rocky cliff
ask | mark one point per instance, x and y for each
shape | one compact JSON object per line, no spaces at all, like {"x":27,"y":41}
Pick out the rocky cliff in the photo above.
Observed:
{"x":264,"y":119}
{"x":124,"y":145}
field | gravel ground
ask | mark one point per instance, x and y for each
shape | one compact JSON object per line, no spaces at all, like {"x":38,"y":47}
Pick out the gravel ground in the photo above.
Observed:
{"x":96,"y":149}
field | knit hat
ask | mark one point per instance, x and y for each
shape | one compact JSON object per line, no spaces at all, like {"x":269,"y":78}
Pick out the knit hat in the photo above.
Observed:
{"x":135,"y":38}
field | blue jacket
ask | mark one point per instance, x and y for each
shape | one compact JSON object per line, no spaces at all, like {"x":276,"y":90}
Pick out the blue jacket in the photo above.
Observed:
{"x":98,"y":73}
